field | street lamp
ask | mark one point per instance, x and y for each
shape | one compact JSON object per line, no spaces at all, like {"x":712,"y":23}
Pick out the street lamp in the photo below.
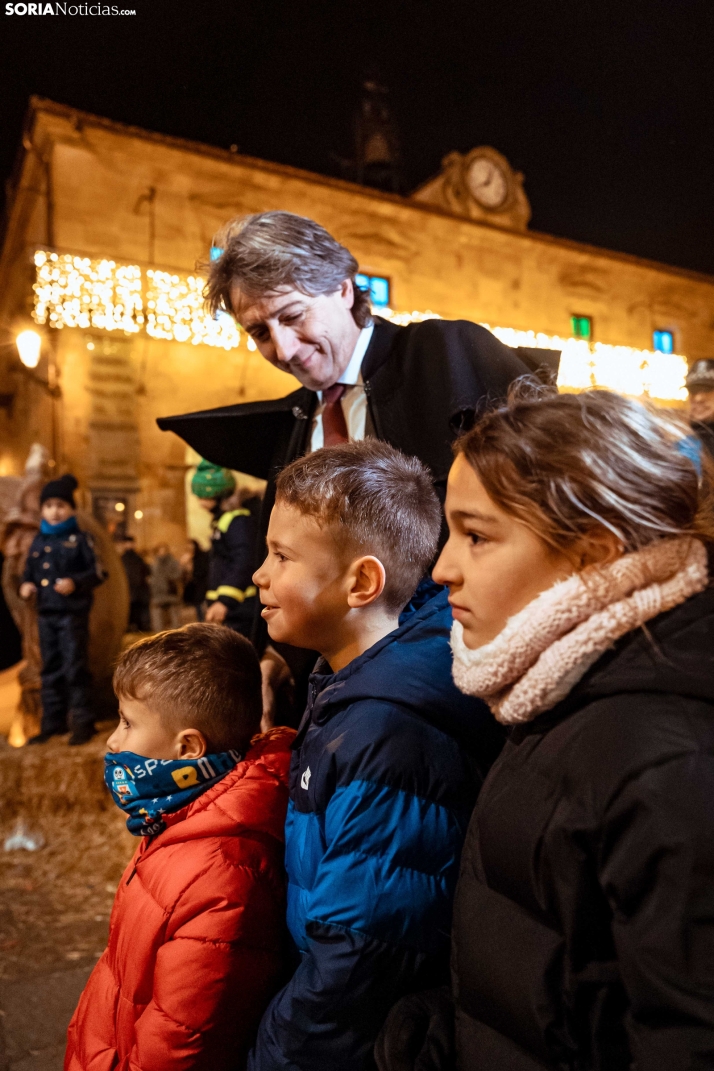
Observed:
{"x":29,"y":344}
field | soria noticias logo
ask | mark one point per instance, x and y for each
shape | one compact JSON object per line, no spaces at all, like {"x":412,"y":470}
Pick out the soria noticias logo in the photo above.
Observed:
{"x":57,"y":8}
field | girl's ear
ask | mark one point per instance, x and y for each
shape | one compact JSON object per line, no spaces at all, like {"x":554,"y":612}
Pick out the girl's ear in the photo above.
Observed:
{"x":599,"y":547}
{"x":191,"y":744}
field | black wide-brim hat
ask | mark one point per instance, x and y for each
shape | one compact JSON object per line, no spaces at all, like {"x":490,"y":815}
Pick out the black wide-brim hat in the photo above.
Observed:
{"x":701,"y":375}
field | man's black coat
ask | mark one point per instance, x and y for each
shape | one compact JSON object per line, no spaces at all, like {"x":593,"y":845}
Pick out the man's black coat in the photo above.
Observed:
{"x":424,"y":383}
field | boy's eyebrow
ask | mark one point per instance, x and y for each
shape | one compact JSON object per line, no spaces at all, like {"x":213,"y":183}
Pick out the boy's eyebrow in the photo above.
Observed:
{"x":276,"y":544}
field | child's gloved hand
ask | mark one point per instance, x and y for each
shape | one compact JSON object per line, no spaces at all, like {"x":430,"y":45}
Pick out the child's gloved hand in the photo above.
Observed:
{"x":64,"y":586}
{"x":27,"y":590}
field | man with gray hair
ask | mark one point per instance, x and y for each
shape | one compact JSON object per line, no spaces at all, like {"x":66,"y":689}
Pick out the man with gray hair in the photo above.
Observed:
{"x":291,"y":286}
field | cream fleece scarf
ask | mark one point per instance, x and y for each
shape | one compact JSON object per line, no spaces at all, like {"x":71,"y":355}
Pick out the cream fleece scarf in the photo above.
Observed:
{"x":545,"y":649}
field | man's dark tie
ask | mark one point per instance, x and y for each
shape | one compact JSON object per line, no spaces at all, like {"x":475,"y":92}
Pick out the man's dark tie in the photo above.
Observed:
{"x":334,"y":425}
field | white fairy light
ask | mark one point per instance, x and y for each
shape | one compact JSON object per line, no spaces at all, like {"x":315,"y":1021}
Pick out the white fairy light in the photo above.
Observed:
{"x":174,"y":310}
{"x":80,"y":292}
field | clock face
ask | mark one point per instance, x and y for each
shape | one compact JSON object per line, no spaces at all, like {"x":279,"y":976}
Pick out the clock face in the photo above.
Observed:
{"x":487,"y":182}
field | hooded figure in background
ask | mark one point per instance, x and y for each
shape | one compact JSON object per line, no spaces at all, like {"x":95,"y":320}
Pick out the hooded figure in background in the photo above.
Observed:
{"x":231,"y":594}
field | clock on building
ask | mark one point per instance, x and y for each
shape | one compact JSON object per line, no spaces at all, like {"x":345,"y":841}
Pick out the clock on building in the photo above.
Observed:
{"x":487,"y":182}
{"x":480,"y":185}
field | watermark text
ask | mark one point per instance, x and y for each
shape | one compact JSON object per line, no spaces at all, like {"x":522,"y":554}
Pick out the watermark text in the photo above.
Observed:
{"x":58,"y":8}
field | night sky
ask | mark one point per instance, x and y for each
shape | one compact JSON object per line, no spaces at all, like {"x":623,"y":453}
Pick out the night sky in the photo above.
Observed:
{"x":607,"y":106}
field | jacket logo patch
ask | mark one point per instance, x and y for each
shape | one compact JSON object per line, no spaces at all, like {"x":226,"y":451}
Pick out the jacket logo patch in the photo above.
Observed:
{"x":305,"y":779}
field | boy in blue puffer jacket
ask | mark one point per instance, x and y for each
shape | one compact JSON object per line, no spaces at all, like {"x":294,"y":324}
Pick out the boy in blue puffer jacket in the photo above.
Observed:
{"x":388,"y":759}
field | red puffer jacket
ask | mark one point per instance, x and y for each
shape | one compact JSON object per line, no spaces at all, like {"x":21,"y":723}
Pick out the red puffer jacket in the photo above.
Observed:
{"x":196,"y":936}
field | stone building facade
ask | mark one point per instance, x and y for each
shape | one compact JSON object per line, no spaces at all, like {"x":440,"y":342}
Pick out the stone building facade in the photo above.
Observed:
{"x":104,"y":199}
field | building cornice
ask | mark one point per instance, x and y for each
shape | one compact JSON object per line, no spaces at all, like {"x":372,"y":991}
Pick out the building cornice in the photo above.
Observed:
{"x":197,"y":148}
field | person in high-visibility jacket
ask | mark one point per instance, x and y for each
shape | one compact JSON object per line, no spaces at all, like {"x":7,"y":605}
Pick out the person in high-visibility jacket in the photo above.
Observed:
{"x":231,"y":593}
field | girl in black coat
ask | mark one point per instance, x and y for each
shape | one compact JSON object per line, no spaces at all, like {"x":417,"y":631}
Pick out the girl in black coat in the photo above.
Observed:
{"x":583,"y":934}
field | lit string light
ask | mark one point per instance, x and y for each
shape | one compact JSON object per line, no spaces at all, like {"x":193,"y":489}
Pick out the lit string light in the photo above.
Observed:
{"x":174,"y":310}
{"x":626,"y":370}
{"x":80,"y":292}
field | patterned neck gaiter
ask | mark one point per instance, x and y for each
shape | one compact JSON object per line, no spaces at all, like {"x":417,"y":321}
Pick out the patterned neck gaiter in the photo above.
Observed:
{"x":147,"y":789}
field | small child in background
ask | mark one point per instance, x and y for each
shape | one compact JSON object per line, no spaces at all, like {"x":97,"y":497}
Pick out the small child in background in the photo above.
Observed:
{"x":388,"y":759}
{"x":62,"y":571}
{"x":197,"y":930}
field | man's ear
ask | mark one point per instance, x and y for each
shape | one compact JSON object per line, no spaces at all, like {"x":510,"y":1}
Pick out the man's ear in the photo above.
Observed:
{"x":347,"y":293}
{"x":367,"y":578}
{"x":599,"y":547}
{"x":191,"y":744}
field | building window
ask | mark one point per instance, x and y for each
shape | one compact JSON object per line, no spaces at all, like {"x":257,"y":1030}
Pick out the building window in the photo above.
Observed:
{"x":582,"y":327}
{"x":377,"y":287}
{"x":663,"y":341}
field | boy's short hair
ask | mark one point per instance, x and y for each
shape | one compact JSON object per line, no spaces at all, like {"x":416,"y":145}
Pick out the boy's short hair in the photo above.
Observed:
{"x":377,"y":500}
{"x":201,"y":676}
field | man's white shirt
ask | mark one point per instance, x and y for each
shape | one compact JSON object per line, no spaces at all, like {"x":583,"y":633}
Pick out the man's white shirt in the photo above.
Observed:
{"x":353,"y":401}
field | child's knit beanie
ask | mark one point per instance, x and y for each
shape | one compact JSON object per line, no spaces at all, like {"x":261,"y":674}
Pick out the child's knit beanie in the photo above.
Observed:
{"x":211,"y":481}
{"x":63,"y":488}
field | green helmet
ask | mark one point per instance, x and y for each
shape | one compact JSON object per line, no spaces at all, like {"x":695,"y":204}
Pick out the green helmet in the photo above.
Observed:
{"x":211,"y":481}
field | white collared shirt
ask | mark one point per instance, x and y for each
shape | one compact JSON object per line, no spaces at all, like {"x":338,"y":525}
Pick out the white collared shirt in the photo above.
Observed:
{"x":353,"y":401}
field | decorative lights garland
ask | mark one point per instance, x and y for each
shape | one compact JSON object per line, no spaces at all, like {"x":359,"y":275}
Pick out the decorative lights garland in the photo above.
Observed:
{"x":174,"y":310}
{"x":73,"y":291}
{"x":626,"y":370}
{"x":79,"y":292}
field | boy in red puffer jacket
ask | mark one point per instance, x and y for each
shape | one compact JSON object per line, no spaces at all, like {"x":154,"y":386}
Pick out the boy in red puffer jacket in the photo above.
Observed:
{"x":197,"y":930}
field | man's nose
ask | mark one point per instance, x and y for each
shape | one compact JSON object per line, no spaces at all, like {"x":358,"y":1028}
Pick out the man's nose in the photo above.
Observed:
{"x":285,"y":342}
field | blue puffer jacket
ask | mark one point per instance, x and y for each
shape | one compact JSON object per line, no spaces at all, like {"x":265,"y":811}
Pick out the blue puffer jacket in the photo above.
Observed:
{"x":381,"y":792}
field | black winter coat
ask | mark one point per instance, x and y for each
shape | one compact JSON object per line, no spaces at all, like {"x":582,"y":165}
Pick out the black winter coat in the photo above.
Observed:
{"x":137,"y":574}
{"x":583,"y":933}
{"x":53,"y":557}
{"x":231,"y":561}
{"x":425,"y":383}
{"x":704,"y":430}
